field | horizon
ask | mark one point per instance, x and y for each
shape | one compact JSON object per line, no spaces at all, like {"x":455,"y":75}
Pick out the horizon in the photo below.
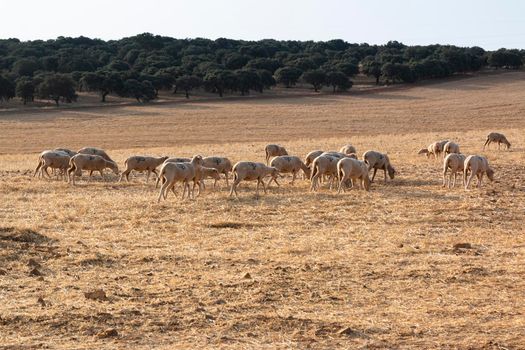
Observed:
{"x":472,"y":23}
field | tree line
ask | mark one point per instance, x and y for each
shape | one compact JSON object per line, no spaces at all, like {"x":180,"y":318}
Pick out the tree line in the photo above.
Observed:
{"x":142,"y":65}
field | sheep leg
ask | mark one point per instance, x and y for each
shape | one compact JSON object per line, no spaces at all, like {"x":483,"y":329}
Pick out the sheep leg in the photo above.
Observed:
{"x":444,"y":177}
{"x":234,"y":188}
{"x":44,"y":171}
{"x":486,"y":143}
{"x":293,"y":177}
{"x":101,"y":174}
{"x":384,"y":169}
{"x":257,"y":189}
{"x":480,"y":177}
{"x":374,"y":175}
{"x":469,"y":179}
{"x":226,"y":176}
{"x":162,"y":191}
{"x":38,"y":167}
{"x":341,"y":181}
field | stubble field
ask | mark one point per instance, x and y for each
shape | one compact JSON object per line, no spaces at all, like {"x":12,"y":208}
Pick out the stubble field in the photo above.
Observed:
{"x":294,"y":269}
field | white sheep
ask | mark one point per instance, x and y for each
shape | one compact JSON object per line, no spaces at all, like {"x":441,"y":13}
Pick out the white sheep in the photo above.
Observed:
{"x":450,"y":147}
{"x":222,"y":164}
{"x":173,"y":172}
{"x":477,"y":166}
{"x":205,"y":173}
{"x":96,"y":152}
{"x":352,"y":169}
{"x":311,"y":156}
{"x":142,"y":163}
{"x":435,"y":148}
{"x":496,"y":137}
{"x":178,"y":160}
{"x":249,"y":171}
{"x":377,"y":160}
{"x":325,"y":164}
{"x":454,"y":162}
{"x":89,"y":162}
{"x":274,"y":151}
{"x":348,"y":149}
{"x":289,"y":164}
{"x":54,"y":160}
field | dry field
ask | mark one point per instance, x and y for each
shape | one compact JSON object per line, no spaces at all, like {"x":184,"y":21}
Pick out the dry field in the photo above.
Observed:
{"x":293,"y":269}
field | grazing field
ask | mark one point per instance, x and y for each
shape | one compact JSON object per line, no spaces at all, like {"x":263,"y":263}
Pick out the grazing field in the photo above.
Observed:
{"x":407,"y":265}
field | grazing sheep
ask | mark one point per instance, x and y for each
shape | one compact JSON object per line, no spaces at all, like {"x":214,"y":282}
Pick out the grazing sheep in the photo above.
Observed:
{"x":496,"y":137}
{"x":454,"y":162}
{"x":249,"y":171}
{"x":311,"y":156}
{"x":204,"y":173}
{"x":352,"y":169}
{"x":348,"y":149}
{"x":377,"y":161}
{"x":89,"y":162}
{"x":173,"y":172}
{"x":178,"y":160}
{"x":478,"y":166}
{"x":325,"y":164}
{"x":435,"y":148}
{"x":54,"y":160}
{"x":65,"y":150}
{"x":274,"y":151}
{"x":142,"y":163}
{"x":289,"y":164}
{"x":96,"y":152}
{"x":450,"y":147}
{"x":222,"y":164}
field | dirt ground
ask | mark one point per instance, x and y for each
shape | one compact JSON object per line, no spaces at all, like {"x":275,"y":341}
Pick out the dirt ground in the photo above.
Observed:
{"x":409,"y":264}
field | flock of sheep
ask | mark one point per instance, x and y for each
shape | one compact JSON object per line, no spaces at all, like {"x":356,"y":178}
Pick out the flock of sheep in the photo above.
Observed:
{"x":342,"y":167}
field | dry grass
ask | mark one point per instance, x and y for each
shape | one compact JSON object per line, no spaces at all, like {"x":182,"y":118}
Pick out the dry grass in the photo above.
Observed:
{"x":292,"y":270}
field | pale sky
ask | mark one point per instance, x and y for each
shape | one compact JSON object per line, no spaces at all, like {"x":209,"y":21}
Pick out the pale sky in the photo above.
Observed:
{"x":489,"y":24}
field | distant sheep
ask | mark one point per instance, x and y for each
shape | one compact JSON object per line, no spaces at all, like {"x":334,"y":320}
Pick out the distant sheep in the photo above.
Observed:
{"x":249,"y":171}
{"x":325,"y":164}
{"x":92,"y":163}
{"x":311,"y":156}
{"x":377,"y":160}
{"x":289,"y":164}
{"x":142,"y":163}
{"x":435,"y":149}
{"x":274,"y":151}
{"x":454,"y":162}
{"x":96,"y":152}
{"x":477,"y":166}
{"x":450,"y":147}
{"x":222,"y":164}
{"x":348,"y":149}
{"x":54,"y":160}
{"x":173,"y":172}
{"x":497,"y":137}
{"x":355,"y":170}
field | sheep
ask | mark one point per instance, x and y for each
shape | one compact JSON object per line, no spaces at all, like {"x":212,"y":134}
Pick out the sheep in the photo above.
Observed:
{"x":65,"y":150}
{"x":454,"y":162}
{"x":450,"y":147}
{"x":178,"y":160}
{"x":142,"y":163}
{"x":311,"y":156}
{"x":173,"y":172}
{"x":348,"y":149}
{"x":289,"y":164}
{"x":54,"y":160}
{"x":89,"y":162}
{"x":204,"y":173}
{"x":435,"y":148}
{"x":274,"y":151}
{"x":353,"y":169}
{"x":496,"y":137}
{"x":377,"y":161}
{"x":96,"y":152}
{"x":477,"y":165}
{"x":222,"y":164}
{"x":247,"y":171}
{"x":325,"y":164}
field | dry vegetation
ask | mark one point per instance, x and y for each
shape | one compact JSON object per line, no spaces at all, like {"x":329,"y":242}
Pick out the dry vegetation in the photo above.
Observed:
{"x":407,"y":265}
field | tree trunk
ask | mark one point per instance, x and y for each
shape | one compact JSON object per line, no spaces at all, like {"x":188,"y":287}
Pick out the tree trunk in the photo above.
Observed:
{"x":187,"y":94}
{"x":104,"y":94}
{"x":334,"y":88}
{"x":56,"y":101}
{"x":220,"y":92}
{"x":175,"y":90}
{"x":377,"y":79}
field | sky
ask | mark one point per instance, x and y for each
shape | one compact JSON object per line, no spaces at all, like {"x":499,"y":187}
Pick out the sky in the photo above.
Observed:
{"x":488,"y":24}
